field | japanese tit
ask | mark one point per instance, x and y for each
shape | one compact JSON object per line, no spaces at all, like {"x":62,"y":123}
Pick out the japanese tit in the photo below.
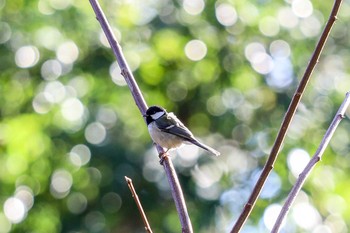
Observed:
{"x":169,"y":132}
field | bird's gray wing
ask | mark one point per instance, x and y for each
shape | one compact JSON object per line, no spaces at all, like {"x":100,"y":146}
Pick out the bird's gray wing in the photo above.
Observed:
{"x":170,"y":124}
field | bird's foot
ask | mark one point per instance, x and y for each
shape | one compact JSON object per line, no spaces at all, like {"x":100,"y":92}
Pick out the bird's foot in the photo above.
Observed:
{"x":162,"y":157}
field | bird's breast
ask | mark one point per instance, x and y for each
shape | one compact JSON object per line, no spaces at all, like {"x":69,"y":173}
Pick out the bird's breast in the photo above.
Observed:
{"x":163,"y":139}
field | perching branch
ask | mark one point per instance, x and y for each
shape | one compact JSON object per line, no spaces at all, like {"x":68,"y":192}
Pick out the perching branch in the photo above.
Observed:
{"x":287,"y":120}
{"x":138,"y":203}
{"x":317,"y":157}
{"x":141,"y":103}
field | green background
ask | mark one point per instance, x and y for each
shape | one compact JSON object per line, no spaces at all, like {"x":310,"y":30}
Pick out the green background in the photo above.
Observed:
{"x":70,"y":131}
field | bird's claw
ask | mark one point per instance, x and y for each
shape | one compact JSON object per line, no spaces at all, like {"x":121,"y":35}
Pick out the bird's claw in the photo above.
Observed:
{"x":162,"y":157}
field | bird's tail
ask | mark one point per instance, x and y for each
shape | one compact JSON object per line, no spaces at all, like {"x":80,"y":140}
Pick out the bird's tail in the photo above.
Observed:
{"x":205,"y":147}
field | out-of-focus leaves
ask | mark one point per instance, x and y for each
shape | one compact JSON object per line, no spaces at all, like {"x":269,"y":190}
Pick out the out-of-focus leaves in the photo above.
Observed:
{"x":70,"y":131}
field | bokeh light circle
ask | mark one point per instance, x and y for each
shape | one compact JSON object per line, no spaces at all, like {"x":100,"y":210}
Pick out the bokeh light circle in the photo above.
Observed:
{"x":27,"y":56}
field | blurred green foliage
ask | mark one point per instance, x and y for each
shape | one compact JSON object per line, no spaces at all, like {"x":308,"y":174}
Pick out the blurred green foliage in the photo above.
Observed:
{"x":70,"y":132}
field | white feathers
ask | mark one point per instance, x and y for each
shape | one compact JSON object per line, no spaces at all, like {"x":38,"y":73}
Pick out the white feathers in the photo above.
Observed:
{"x":157,"y":115}
{"x":166,"y":140}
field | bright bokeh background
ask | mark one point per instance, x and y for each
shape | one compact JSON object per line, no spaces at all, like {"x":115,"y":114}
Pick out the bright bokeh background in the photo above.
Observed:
{"x":70,"y":131}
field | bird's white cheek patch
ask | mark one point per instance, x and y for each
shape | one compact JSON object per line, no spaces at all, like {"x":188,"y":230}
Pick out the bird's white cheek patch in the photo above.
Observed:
{"x":157,"y":115}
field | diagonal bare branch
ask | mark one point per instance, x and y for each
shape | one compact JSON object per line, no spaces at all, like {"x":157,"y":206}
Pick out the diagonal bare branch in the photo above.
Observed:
{"x":307,"y":170}
{"x":287,"y":120}
{"x":138,"y":203}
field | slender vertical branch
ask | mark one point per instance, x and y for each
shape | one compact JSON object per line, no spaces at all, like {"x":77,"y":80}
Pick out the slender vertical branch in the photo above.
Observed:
{"x":307,"y":170}
{"x":287,"y":120}
{"x":141,"y":103}
{"x":116,"y":48}
{"x":138,"y":203}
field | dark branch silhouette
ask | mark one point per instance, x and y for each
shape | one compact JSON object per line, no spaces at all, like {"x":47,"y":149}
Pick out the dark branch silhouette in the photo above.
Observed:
{"x":316,"y":158}
{"x":287,"y":120}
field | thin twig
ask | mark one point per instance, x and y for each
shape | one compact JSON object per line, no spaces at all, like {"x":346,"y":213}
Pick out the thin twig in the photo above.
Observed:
{"x":307,"y":170}
{"x":138,"y":203}
{"x":141,"y":103}
{"x":287,"y":120}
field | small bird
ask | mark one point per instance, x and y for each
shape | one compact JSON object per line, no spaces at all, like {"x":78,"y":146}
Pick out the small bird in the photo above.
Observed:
{"x":169,"y":132}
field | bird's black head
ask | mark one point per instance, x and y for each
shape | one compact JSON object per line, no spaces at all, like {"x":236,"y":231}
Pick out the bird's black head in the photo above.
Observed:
{"x":153,"y":113}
